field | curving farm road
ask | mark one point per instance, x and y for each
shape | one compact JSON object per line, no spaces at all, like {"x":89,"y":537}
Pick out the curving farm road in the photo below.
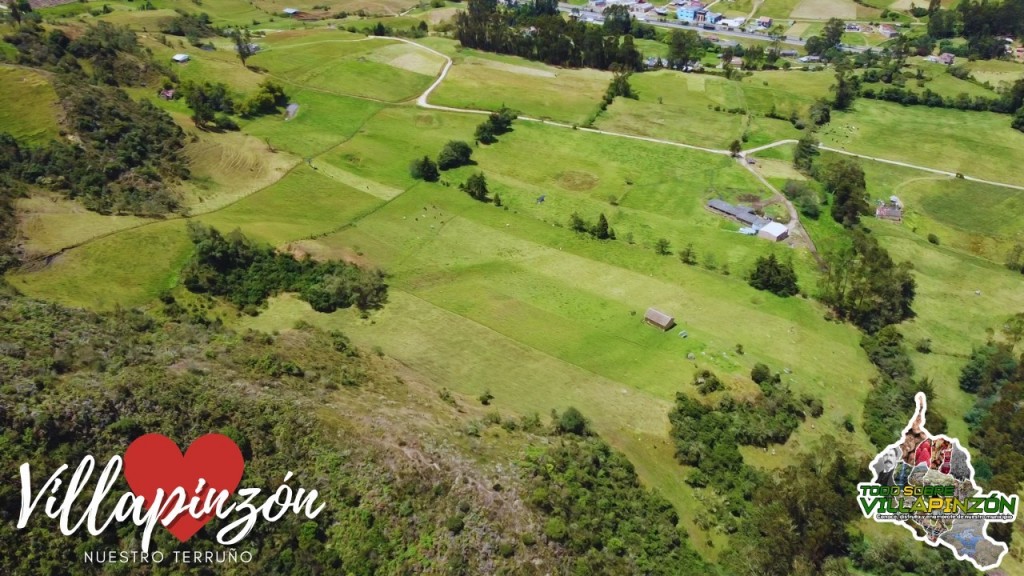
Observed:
{"x":422,"y":101}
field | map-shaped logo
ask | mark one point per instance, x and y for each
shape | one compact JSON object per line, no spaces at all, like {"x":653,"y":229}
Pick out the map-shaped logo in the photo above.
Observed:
{"x":926,"y":484}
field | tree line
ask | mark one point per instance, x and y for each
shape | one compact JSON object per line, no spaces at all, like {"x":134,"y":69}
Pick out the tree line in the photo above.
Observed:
{"x":994,"y":374}
{"x":535,"y":30}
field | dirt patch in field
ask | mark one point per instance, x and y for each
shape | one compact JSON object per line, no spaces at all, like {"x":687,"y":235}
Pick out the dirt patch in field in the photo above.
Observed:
{"x":320,"y":252}
{"x":435,"y":16}
{"x":577,"y":181}
{"x":825,"y":9}
{"x":512,"y":68}
{"x":416,"y":62}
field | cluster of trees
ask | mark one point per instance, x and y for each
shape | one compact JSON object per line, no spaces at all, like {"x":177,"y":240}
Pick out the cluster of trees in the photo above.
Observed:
{"x":536,"y":31}
{"x":982,"y":23}
{"x":111,"y":54}
{"x":600,"y":229}
{"x":844,"y":179}
{"x":454,"y":154}
{"x":684,"y":47}
{"x":497,"y":123}
{"x":827,"y":44}
{"x":803,"y":196}
{"x":246,"y":274}
{"x":797,"y":523}
{"x":424,"y":169}
{"x":864,"y":286}
{"x":1010,"y":102}
{"x":597,"y":509}
{"x":707,"y":436}
{"x":212,"y":104}
{"x":890,"y":401}
{"x":775,"y":276}
{"x":191,"y":26}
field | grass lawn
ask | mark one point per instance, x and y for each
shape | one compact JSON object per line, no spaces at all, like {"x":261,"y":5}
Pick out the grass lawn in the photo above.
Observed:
{"x":813,"y":9}
{"x":372,"y":68}
{"x":936,"y":138}
{"x":489,"y":81}
{"x":29,"y":111}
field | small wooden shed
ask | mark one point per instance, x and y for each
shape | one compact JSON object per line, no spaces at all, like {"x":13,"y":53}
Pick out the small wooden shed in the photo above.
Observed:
{"x":659,"y":319}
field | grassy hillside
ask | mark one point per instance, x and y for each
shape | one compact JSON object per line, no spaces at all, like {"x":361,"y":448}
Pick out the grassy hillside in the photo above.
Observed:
{"x":429,"y":496}
{"x":30,"y":107}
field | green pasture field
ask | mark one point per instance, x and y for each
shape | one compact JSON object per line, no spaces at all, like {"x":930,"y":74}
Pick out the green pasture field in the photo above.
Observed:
{"x":489,"y":81}
{"x":686,"y":111}
{"x":127,"y":269}
{"x":479,"y":291}
{"x":996,"y":72}
{"x":304,"y":203}
{"x":30,"y":108}
{"x":814,"y":9}
{"x":49,"y":223}
{"x":220,"y":65}
{"x":979,"y":144}
{"x":781,"y":9}
{"x":350,"y":67}
{"x":945,"y":84}
{"x":373,"y":7}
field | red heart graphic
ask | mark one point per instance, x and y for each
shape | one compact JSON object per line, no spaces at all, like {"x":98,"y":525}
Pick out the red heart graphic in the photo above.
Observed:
{"x":154,"y":461}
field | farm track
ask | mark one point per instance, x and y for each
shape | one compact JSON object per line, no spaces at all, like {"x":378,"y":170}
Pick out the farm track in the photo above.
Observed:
{"x":422,"y":101}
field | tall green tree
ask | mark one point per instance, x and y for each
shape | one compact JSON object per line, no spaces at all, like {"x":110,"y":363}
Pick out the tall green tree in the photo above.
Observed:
{"x":832,"y":34}
{"x":844,"y":179}
{"x":243,"y":44}
{"x":805,"y":153}
{"x":617,"y":20}
{"x":683,"y":47}
{"x":844,"y":90}
{"x":601,"y":230}
{"x":476,"y":187}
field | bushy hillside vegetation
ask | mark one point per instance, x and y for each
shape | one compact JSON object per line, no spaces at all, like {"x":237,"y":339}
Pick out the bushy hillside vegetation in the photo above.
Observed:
{"x":399,"y":500}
